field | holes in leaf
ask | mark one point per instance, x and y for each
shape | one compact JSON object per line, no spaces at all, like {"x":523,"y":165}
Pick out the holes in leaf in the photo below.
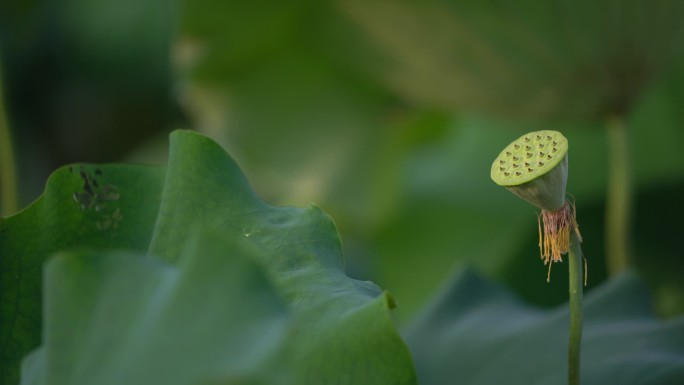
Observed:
{"x":96,"y":197}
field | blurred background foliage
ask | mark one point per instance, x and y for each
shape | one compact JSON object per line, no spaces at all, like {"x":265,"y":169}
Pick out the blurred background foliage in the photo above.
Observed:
{"x":385,"y":113}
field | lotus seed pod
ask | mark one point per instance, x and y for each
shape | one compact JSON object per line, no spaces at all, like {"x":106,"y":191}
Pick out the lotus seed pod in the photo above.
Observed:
{"x":535,"y":168}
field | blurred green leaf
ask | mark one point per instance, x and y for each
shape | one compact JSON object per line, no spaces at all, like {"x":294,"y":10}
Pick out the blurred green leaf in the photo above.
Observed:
{"x":264,"y":81}
{"x":125,"y":42}
{"x":122,"y":317}
{"x":57,"y":221}
{"x":475,"y":332}
{"x":341,"y":329}
{"x":343,"y":333}
{"x":573,"y":61}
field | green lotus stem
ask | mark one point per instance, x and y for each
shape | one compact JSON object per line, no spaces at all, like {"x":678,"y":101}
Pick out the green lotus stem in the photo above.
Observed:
{"x":535,"y":168}
{"x":575,"y":290}
{"x":8,"y":180}
{"x":618,"y":202}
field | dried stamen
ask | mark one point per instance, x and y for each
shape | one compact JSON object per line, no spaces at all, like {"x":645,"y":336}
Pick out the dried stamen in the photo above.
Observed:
{"x":554,"y":240}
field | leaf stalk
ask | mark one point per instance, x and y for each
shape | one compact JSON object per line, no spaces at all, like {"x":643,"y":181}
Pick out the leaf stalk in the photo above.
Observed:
{"x":618,"y":199}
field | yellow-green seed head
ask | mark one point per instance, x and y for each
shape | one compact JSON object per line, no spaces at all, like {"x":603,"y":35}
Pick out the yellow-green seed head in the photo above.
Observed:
{"x":535,"y":167}
{"x":529,"y":157}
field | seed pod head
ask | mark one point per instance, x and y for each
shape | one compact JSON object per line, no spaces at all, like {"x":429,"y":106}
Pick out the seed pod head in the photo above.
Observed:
{"x":535,"y":168}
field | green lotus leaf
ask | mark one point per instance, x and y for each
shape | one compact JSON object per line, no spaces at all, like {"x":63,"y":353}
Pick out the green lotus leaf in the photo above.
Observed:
{"x":104,"y":206}
{"x":344,"y":332}
{"x":478,"y":333}
{"x":579,"y":61}
{"x":127,"y":318}
{"x":341,"y":331}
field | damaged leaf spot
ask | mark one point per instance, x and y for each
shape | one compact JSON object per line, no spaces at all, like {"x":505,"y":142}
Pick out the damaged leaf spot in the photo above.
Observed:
{"x":94,"y":196}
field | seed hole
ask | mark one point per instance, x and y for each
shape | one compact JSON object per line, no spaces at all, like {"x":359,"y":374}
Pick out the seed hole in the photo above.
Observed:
{"x":549,"y":157}
{"x":529,"y":155}
{"x":527,"y":164}
{"x":541,"y":154}
{"x":541,"y":145}
{"x":527,"y":139}
{"x":518,"y":173}
{"x":502,"y":162}
{"x":528,"y":148}
{"x":515,"y":165}
{"x":502,"y":168}
{"x":530,"y":169}
{"x":538,"y":137}
{"x":554,"y":143}
{"x":516,"y":158}
{"x":554,"y":149}
{"x":541,"y":164}
{"x":548,"y":137}
{"x":508,"y":153}
{"x":507,"y":173}
{"x":517,"y":146}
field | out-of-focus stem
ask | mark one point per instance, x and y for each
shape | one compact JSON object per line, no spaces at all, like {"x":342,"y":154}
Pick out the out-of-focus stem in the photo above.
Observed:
{"x":8,"y":180}
{"x":618,"y":198}
{"x":576,"y":279}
